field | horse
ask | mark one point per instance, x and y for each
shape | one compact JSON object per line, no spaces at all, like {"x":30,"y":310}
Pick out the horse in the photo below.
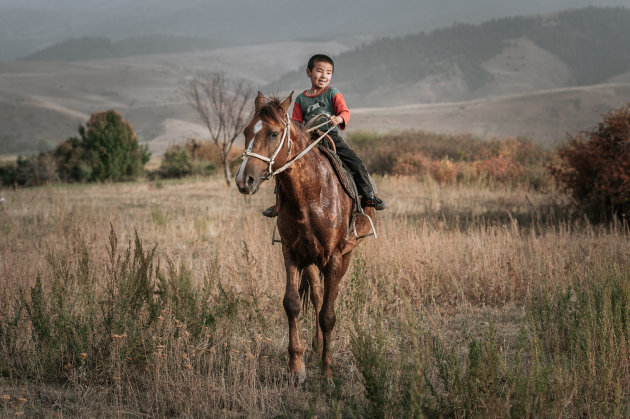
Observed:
{"x":316,"y":219}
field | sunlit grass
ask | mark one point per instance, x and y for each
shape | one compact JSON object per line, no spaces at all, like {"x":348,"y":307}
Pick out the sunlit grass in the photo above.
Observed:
{"x":164,"y":298}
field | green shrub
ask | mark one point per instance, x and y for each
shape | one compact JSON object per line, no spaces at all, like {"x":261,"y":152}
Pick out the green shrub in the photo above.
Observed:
{"x":111,"y":145}
{"x":72,"y":163}
{"x":106,"y":150}
{"x":176,"y":163}
{"x":30,"y":171}
{"x":106,"y":319}
{"x":193,"y":158}
{"x":595,"y":167}
{"x":7,"y":174}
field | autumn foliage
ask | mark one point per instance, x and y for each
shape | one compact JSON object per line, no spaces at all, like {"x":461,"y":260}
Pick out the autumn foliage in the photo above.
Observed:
{"x":595,"y":166}
{"x":193,"y":158}
{"x":452,"y":158}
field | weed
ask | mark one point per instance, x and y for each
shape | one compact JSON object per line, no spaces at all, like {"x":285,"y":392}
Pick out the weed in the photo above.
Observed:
{"x":158,"y":217}
{"x":93,"y":321}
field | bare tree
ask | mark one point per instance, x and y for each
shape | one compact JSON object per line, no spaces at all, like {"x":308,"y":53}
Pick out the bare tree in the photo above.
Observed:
{"x":220,"y":104}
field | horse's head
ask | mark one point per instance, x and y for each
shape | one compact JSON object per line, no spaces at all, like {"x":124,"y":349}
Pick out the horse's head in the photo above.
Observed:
{"x":267,"y":141}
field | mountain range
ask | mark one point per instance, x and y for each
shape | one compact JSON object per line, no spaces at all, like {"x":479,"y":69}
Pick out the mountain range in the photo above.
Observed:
{"x":27,"y":26}
{"x":499,"y":57}
{"x":537,"y":76}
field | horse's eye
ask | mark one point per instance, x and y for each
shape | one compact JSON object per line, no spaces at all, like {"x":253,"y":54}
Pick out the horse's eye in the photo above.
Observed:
{"x":275,"y":134}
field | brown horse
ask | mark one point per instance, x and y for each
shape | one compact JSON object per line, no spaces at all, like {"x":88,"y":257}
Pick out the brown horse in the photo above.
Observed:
{"x":314,"y":219}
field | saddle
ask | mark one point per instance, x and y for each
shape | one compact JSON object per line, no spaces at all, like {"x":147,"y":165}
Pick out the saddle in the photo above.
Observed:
{"x":343,"y":174}
{"x":361,"y":224}
{"x":327,"y":148}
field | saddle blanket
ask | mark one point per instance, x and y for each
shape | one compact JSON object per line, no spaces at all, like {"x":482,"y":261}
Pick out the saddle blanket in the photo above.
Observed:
{"x":343,"y":174}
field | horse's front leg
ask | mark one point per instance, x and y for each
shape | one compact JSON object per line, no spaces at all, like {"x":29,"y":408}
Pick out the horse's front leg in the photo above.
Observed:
{"x":333,"y":273}
{"x":317,"y":297}
{"x":292,"y":305}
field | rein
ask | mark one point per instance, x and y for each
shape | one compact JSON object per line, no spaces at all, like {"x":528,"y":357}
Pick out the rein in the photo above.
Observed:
{"x":286,"y":135}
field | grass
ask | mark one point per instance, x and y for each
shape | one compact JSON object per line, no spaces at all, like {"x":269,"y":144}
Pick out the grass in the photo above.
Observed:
{"x":164,"y":299}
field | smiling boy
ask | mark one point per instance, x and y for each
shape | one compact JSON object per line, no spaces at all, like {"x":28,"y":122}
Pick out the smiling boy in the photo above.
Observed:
{"x":325,"y":102}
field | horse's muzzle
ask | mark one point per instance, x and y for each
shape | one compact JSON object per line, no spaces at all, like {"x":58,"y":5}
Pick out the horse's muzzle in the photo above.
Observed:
{"x":247,"y":185}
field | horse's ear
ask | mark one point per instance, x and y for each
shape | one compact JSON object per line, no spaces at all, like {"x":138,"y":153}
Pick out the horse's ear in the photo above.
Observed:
{"x":287,"y":102}
{"x":259,"y":102}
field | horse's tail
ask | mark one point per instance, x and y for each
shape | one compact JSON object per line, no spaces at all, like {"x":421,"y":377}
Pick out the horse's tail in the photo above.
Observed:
{"x":304,"y":289}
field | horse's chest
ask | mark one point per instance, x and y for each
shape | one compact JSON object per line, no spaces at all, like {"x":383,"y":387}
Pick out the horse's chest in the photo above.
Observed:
{"x":308,"y":241}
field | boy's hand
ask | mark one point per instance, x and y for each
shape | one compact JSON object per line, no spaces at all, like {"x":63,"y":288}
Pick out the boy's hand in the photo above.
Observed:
{"x":336,"y":120}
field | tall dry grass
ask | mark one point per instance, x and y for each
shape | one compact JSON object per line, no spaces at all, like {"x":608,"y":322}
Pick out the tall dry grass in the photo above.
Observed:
{"x":164,"y":298}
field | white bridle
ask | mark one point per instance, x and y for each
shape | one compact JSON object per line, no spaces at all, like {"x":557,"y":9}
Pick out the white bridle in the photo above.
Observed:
{"x":286,"y":135}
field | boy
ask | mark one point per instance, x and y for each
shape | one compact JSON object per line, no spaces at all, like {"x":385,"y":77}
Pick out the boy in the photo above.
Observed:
{"x":322,"y":99}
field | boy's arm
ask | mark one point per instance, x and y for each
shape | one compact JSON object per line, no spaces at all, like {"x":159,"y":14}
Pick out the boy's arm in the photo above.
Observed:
{"x":297,"y":113}
{"x":341,"y":110}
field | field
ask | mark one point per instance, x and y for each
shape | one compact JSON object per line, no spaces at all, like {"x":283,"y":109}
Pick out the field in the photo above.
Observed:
{"x":165,"y":298}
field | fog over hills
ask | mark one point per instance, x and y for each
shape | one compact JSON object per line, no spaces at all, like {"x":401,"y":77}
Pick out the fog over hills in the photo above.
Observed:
{"x":30,"y":25}
{"x":538,"y":76}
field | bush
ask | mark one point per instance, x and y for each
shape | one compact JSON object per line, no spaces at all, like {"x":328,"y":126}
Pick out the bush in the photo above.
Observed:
{"x":110,"y":144}
{"x":106,"y":150}
{"x":107,"y":324}
{"x":595,"y":167}
{"x":193,"y":158}
{"x":30,"y":171}
{"x":207,"y":152}
{"x":501,"y":168}
{"x":176,"y":163}
{"x":447,"y":158}
{"x":411,"y":164}
{"x":72,"y":165}
{"x":443,"y":171}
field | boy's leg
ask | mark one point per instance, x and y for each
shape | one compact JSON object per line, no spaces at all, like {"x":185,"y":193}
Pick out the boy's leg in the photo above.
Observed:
{"x":360,"y":174}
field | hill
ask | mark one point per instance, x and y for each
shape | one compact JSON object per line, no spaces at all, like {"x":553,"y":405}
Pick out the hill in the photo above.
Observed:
{"x":90,"y":48}
{"x":499,"y":57}
{"x":43,"y":102}
{"x":27,"y":26}
{"x":500,"y":78}
{"x":544,"y":116}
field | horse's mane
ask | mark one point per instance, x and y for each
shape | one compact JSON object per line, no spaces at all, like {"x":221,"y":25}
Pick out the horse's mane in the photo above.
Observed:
{"x":272,"y":110}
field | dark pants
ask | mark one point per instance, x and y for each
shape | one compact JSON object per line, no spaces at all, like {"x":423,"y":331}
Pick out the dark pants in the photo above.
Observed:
{"x":354,"y":163}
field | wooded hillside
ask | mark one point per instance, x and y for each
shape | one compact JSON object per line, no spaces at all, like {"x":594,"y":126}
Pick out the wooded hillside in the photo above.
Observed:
{"x":592,"y":42}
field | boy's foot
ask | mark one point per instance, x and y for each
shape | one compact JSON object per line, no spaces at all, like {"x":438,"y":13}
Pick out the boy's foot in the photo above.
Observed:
{"x":271,"y":212}
{"x":374,"y":201}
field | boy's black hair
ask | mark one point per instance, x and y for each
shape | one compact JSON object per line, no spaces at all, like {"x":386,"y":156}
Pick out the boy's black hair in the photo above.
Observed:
{"x":318,"y":58}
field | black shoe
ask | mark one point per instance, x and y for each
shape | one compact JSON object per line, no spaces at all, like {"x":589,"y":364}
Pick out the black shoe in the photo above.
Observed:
{"x":374,"y":201}
{"x":271,"y":212}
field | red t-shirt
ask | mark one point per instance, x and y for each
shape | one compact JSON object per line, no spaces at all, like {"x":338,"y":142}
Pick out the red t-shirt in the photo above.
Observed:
{"x":328,"y":103}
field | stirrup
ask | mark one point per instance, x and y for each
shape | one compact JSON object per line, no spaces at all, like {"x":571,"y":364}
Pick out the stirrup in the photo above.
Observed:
{"x":273,"y":235}
{"x":353,"y":225}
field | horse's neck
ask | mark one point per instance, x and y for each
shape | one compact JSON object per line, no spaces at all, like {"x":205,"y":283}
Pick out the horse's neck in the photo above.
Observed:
{"x":303,"y":178}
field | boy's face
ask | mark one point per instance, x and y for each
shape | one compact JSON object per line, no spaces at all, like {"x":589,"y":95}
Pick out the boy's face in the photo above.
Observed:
{"x":320,"y":75}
